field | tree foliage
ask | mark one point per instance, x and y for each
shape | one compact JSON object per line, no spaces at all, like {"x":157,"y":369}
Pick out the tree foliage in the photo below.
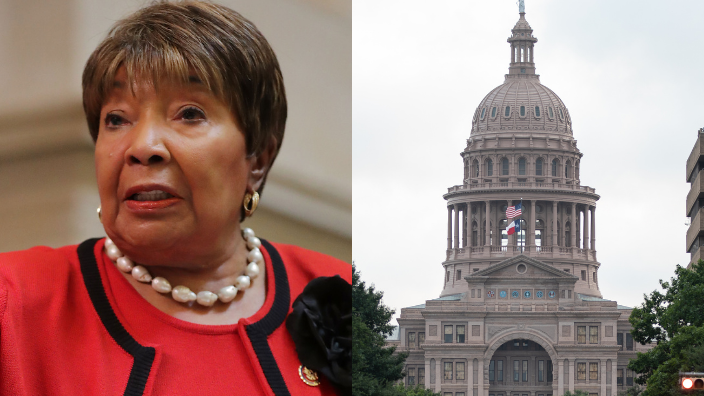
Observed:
{"x":674,"y":320}
{"x":577,"y":393}
{"x":376,"y":367}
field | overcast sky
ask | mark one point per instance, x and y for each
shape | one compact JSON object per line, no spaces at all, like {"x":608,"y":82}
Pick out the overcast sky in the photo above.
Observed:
{"x":631,"y":74}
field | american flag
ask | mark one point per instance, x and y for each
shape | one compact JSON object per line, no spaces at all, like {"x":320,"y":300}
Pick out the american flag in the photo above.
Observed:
{"x":513,"y":211}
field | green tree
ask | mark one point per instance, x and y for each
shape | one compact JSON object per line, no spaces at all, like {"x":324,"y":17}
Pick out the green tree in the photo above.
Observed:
{"x":417,"y":390}
{"x":577,"y":393}
{"x":674,"y":321}
{"x":376,"y":368}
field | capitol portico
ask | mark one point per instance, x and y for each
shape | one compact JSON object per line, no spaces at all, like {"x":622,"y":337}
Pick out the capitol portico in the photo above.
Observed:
{"x":519,"y":314}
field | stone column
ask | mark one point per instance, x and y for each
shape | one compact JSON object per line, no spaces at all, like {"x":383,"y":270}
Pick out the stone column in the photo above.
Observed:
{"x":592,"y":238}
{"x":614,"y":367}
{"x":602,"y":380}
{"x":561,"y":377}
{"x":449,"y":227}
{"x":468,"y":224}
{"x":574,"y":225}
{"x":480,"y":375}
{"x":585,"y":243}
{"x":531,"y":226}
{"x":488,"y":225}
{"x":457,"y":225}
{"x":572,"y":373}
{"x":531,"y":53}
{"x":554,"y":227}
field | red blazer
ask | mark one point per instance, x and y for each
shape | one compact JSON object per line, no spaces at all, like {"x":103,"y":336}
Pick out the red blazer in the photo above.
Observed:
{"x":71,"y":324}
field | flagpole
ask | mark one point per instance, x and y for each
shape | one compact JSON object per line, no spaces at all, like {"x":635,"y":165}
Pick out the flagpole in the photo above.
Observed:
{"x":523,"y":241}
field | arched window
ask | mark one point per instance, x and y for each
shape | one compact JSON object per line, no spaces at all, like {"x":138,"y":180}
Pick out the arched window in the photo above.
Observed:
{"x":504,"y":166}
{"x":537,"y":111}
{"x":493,"y":112}
{"x":539,"y":228}
{"x":554,"y":167}
{"x":562,"y":116}
{"x":559,"y":234}
{"x":521,"y":166}
{"x":576,"y":170}
{"x":568,"y":169}
{"x":550,"y":112}
{"x":523,"y":111}
{"x":482,"y":116}
{"x":539,"y":167}
{"x":475,"y":168}
{"x":474,"y":233}
{"x":507,"y":112}
{"x":489,"y":167}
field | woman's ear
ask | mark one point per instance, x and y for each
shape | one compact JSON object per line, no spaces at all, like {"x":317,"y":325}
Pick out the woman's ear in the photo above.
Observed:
{"x":260,"y":165}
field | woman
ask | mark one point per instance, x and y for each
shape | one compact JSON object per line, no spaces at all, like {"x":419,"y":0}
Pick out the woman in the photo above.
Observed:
{"x":186,"y":105}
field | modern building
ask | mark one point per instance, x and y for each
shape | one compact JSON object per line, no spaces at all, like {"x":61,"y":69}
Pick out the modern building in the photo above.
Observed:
{"x":695,"y":200}
{"x":520,"y":314}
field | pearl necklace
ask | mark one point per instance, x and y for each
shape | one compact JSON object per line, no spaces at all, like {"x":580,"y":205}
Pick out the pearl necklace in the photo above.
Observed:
{"x":182,"y":293}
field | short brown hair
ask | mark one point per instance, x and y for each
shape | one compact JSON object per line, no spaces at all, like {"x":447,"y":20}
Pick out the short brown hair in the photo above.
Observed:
{"x":167,"y":41}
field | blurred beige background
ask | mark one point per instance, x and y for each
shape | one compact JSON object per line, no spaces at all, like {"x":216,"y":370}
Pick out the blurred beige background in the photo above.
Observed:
{"x":48,"y":194}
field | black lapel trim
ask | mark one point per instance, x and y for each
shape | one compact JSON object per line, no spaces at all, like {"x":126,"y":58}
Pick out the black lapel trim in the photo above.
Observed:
{"x":259,"y":331}
{"x":143,"y":356}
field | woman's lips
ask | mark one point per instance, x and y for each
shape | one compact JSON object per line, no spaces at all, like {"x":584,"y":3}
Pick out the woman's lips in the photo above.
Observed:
{"x":151,"y":205}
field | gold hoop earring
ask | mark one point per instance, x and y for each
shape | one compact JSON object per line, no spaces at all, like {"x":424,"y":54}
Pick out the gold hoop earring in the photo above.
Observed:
{"x":250,"y":208}
{"x":100,"y":214}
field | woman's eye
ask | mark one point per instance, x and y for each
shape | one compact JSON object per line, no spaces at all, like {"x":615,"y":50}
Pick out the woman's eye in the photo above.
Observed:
{"x":114,"y":120}
{"x":192,"y":114}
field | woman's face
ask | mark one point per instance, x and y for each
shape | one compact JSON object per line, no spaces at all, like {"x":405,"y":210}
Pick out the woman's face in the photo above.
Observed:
{"x":172,"y":171}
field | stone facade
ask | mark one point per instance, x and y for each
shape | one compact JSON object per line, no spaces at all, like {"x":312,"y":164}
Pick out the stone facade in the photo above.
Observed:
{"x":519,"y":314}
{"x":695,"y":200}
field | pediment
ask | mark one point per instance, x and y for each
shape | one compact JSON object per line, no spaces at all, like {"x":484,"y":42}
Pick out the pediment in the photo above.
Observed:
{"x":521,"y":266}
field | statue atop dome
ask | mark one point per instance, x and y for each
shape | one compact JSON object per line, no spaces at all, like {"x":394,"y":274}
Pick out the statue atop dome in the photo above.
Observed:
{"x":521,"y":7}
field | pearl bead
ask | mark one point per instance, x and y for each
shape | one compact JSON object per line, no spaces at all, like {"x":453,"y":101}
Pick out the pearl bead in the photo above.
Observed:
{"x":227,"y":294}
{"x":252,"y":270}
{"x":253,"y":242}
{"x":255,"y":255}
{"x":183,"y":294}
{"x":206,"y":298}
{"x":247,"y":233}
{"x":141,"y":274}
{"x":109,"y":242}
{"x":242,"y":282}
{"x":114,"y":253}
{"x":161,"y":285}
{"x":125,"y":264}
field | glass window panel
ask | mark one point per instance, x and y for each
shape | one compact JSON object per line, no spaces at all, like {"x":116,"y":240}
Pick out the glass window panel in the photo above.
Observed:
{"x":489,"y":168}
{"x":507,"y":112}
{"x":448,"y":334}
{"x":504,"y":166}
{"x":554,"y":168}
{"x":421,"y":338}
{"x":522,"y":166}
{"x":459,"y":369}
{"x":525,"y":371}
{"x":581,"y":371}
{"x":593,"y":371}
{"x":516,"y":371}
{"x":629,"y":377}
{"x":448,"y":370}
{"x":551,"y":113}
{"x":581,"y":334}
{"x":539,"y":167}
{"x":619,"y":339}
{"x":421,"y":376}
{"x":460,"y":334}
{"x":411,"y":339}
{"x":629,"y":342}
{"x":549,"y":370}
{"x":493,"y":112}
{"x":619,"y":377}
{"x":500,"y":370}
{"x":537,"y":111}
{"x":523,"y":111}
{"x":593,"y":334}
{"x":482,"y":116}
{"x":491,"y":370}
{"x":411,"y":376}
{"x":541,"y":369}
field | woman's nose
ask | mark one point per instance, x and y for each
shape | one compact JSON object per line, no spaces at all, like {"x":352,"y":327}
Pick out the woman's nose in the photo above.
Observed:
{"x":147,"y":145}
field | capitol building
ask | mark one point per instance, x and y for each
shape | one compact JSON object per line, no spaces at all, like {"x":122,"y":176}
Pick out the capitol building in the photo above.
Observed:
{"x":520,"y":314}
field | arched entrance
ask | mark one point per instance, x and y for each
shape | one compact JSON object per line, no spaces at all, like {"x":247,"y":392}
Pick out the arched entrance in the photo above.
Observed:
{"x":519,"y":365}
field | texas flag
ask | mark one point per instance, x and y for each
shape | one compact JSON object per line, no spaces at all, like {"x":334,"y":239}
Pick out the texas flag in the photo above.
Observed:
{"x":514,"y":227}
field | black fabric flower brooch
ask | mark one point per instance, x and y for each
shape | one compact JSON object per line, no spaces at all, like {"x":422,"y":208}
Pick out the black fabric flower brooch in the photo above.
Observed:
{"x":321,"y":327}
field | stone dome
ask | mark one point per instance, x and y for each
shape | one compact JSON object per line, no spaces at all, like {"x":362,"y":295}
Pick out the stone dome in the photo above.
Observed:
{"x":522,"y":104}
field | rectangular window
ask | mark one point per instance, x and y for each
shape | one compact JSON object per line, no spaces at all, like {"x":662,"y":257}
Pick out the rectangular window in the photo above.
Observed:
{"x":411,"y":376}
{"x":629,"y":342}
{"x":459,"y":394}
{"x":490,"y":168}
{"x":447,"y":394}
{"x":581,"y":371}
{"x":447,"y":278}
{"x":619,"y":377}
{"x":460,"y":334}
{"x":525,"y":371}
{"x":421,"y":376}
{"x":448,"y":371}
{"x":594,"y":276}
{"x":593,"y":334}
{"x":411,"y":340}
{"x":593,"y":371}
{"x":500,"y":370}
{"x":541,"y":370}
{"x":491,"y":370}
{"x":521,"y":166}
{"x":448,"y":334}
{"x":619,"y":339}
{"x":421,"y":338}
{"x":629,"y":377}
{"x":459,"y":370}
{"x":584,"y":275}
{"x":549,"y":370}
{"x":581,"y":334}
{"x":516,"y":371}
{"x":459,"y":275}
